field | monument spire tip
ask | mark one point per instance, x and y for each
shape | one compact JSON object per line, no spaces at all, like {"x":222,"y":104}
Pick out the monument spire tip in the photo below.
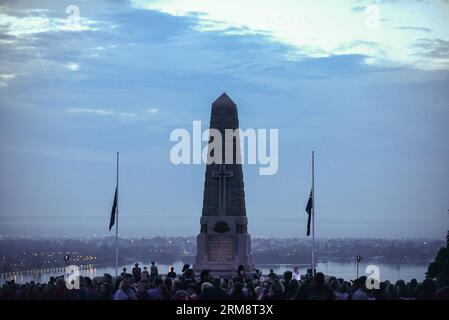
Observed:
{"x":224,"y":99}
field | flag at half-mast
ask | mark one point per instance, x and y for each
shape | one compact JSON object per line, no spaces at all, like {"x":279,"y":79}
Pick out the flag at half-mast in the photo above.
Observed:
{"x":309,"y":211}
{"x":114,"y":211}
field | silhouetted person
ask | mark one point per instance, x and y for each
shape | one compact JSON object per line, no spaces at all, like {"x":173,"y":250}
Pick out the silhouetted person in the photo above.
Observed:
{"x":361,"y":292}
{"x":290,"y":285}
{"x":214,"y":291}
{"x":185,"y":267}
{"x":137,"y":273}
{"x":125,"y":291}
{"x":205,"y":276}
{"x":156,"y":293}
{"x":272,"y":275}
{"x":296,"y":274}
{"x":171,"y":273}
{"x":142,"y":288}
{"x":427,"y":290}
{"x":154,"y":273}
{"x":61,"y":292}
{"x":237,"y":292}
{"x":145,"y":274}
{"x":319,"y":290}
{"x":240,"y":276}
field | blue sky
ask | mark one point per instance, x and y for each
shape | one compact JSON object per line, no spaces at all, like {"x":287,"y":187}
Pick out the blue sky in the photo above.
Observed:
{"x":363,"y":83}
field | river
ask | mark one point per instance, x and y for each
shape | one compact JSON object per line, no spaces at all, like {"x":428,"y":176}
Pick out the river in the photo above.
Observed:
{"x":345,"y":270}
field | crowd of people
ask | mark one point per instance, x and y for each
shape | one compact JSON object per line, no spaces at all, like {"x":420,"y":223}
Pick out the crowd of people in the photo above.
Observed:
{"x":150,"y":285}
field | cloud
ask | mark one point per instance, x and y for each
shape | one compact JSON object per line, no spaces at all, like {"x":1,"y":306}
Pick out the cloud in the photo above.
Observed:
{"x":367,"y":48}
{"x":37,"y":22}
{"x":432,"y":53}
{"x":432,"y":48}
{"x":5,"y":41}
{"x":315,"y":29}
{"x":358,"y":9}
{"x":7,"y":76}
{"x":414,"y":28}
{"x":153,"y":110}
{"x":101,"y":112}
{"x":68,"y":154}
{"x":72,"y":66}
{"x":4,"y":77}
{"x":43,"y":43}
{"x":141,"y":115}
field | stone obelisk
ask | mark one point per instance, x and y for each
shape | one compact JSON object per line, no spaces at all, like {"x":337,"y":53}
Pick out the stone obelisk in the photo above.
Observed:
{"x":224,"y":243}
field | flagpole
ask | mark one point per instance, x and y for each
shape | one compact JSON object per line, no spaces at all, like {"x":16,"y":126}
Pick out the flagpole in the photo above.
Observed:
{"x":313,"y":212}
{"x":116,"y":224}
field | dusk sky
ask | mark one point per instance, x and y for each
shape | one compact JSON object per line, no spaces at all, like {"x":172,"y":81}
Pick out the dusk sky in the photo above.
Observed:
{"x":363,"y":83}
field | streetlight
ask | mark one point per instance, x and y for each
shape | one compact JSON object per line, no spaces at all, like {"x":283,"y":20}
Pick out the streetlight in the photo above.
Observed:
{"x":358,"y":258}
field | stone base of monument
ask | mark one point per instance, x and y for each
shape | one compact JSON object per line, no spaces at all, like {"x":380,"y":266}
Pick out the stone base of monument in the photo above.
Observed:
{"x":220,"y":248}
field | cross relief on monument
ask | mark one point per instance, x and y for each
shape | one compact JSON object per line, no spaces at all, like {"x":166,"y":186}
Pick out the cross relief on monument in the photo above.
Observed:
{"x":222,"y":175}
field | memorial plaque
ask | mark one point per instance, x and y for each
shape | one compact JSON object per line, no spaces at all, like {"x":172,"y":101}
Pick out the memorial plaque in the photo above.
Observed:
{"x":220,"y":249}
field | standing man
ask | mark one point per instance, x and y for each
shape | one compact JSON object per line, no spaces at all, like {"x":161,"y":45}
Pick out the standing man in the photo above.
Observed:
{"x":171,"y":274}
{"x":153,"y":271}
{"x":296,"y":274}
{"x":145,"y":274}
{"x":137,"y":272}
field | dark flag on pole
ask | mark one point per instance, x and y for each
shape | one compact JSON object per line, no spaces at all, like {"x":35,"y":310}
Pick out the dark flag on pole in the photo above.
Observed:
{"x":113,"y":212}
{"x":309,"y":212}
